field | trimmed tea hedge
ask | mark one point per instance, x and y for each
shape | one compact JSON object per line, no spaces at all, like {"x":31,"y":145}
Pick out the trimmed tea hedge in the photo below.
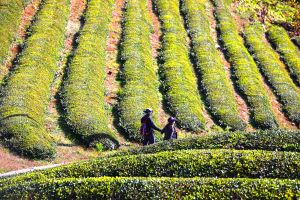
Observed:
{"x":25,"y":96}
{"x":288,"y":51}
{"x":140,"y":80}
{"x":247,"y":75}
{"x":186,"y":163}
{"x":10,"y":19}
{"x":154,"y":188}
{"x":271,"y":140}
{"x":296,"y":40}
{"x":179,"y":81}
{"x":272,"y":68}
{"x":83,"y":88}
{"x":218,"y":89}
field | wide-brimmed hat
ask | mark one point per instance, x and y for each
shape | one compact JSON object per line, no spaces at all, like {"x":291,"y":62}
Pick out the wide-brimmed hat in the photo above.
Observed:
{"x":172,"y":119}
{"x":148,"y":111}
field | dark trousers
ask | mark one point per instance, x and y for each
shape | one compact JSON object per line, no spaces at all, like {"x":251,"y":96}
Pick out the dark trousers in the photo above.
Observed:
{"x":148,"y":139}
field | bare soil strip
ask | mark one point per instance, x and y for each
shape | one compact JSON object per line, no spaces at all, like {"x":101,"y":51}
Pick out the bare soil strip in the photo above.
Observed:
{"x":11,"y":162}
{"x":155,"y":44}
{"x":276,"y":106}
{"x":112,"y":65}
{"x":242,"y":105}
{"x":284,"y":122}
{"x":73,"y":26}
{"x":16,"y":47}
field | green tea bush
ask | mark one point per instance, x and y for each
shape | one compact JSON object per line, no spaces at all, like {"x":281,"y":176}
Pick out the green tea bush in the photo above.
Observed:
{"x":154,"y":188}
{"x":285,"y":13}
{"x":296,"y":40}
{"x":25,"y":97}
{"x":248,"y":78}
{"x":220,"y":163}
{"x":275,"y":72}
{"x":178,"y":77}
{"x":218,"y":89}
{"x":10,"y":19}
{"x":271,"y":140}
{"x":83,"y":89}
{"x":288,"y":51}
{"x":139,"y":73}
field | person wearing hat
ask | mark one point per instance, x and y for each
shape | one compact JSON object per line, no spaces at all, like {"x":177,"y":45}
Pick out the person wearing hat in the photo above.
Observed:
{"x":169,"y":130}
{"x":148,"y":127}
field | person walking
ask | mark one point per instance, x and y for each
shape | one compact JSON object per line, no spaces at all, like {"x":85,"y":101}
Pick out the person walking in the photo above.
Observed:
{"x":169,"y":130}
{"x":148,"y":127}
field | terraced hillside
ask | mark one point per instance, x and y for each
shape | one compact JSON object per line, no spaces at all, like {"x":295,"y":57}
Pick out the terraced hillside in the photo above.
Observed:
{"x":79,"y":73}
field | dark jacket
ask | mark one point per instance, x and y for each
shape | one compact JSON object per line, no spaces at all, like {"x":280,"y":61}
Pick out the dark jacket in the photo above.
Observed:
{"x":170,"y":132}
{"x":149,"y":124}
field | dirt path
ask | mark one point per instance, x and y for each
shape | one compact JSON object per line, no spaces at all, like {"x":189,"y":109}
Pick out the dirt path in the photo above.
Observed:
{"x":276,"y":107}
{"x":11,"y":162}
{"x":282,"y":119}
{"x":242,"y":105}
{"x":22,"y":171}
{"x":112,"y":65}
{"x":16,"y":47}
{"x":155,"y":46}
{"x":73,"y":26}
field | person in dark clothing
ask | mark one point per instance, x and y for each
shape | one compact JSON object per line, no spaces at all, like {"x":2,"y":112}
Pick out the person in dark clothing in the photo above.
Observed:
{"x":169,"y":130}
{"x":148,"y":127}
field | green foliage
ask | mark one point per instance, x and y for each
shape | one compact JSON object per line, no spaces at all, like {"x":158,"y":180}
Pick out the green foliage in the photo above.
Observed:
{"x":139,"y":73}
{"x":154,"y":188}
{"x":275,"y":72}
{"x":25,"y":96}
{"x":271,"y":11}
{"x":296,"y":40}
{"x":288,"y":51}
{"x":271,"y":140}
{"x":247,"y":75}
{"x":218,"y":89}
{"x":99,"y":147}
{"x":83,"y":87}
{"x":10,"y":19}
{"x":221,"y":163}
{"x":179,"y":81}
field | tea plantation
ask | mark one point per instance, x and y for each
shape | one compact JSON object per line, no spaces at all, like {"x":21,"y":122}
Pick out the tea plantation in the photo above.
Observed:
{"x":231,"y":78}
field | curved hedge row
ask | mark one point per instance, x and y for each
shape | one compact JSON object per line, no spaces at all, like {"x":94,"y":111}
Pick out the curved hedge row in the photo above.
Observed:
{"x":271,"y":140}
{"x":25,"y":96}
{"x":218,"y":89}
{"x":179,"y":81}
{"x":247,"y":75}
{"x":272,"y":68}
{"x":288,"y":51}
{"x":10,"y":19}
{"x":140,"y":81}
{"x":83,"y":88}
{"x":189,"y":163}
{"x":296,"y":40}
{"x":154,"y":188}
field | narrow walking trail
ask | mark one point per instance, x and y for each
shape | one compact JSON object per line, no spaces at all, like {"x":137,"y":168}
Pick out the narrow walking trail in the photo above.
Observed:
{"x":53,"y":116}
{"x":242,"y":105}
{"x":282,"y":119}
{"x":112,"y":67}
{"x":67,"y":150}
{"x":155,"y":45}
{"x":16,"y":47}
